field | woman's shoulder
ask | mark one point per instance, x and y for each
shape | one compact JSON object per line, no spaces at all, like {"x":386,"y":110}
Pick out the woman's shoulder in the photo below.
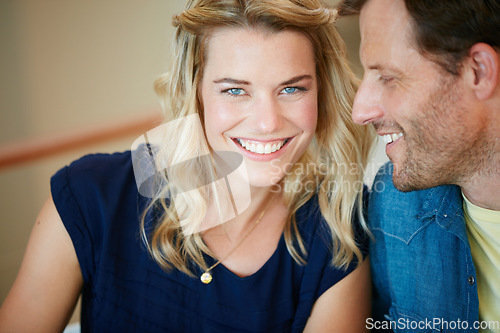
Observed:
{"x":94,"y":180}
{"x":94,"y":188}
{"x":102,"y":163}
{"x":96,"y":172}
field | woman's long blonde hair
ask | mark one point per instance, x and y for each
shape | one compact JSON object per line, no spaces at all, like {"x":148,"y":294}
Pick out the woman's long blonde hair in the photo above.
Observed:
{"x":334,"y":163}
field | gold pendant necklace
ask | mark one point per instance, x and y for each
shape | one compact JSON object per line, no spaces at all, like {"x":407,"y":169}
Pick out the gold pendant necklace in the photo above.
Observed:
{"x":206,"y":277}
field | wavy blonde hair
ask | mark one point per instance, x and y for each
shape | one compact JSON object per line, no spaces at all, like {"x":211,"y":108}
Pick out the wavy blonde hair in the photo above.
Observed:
{"x":335,"y":160}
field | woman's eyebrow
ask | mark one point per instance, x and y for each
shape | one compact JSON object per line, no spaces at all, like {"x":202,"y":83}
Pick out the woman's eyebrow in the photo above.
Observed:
{"x":296,"y":79}
{"x":243,"y":82}
{"x":232,"y":81}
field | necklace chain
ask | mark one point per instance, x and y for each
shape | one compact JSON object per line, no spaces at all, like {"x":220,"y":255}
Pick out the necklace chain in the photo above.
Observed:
{"x":206,"y":277}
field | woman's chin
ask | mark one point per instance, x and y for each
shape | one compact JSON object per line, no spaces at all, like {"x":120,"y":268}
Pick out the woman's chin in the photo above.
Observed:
{"x":264,"y":180}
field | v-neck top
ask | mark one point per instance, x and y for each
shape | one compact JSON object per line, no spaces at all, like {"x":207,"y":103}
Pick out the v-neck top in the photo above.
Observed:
{"x":125,"y":290}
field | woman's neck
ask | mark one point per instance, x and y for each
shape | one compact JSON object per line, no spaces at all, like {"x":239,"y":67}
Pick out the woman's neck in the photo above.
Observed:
{"x":262,"y":202}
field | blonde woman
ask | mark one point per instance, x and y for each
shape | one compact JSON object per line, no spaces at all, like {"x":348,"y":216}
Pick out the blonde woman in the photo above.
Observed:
{"x":268,"y":81}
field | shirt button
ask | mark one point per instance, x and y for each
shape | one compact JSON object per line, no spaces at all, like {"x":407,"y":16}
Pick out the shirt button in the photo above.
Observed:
{"x":471,"y":280}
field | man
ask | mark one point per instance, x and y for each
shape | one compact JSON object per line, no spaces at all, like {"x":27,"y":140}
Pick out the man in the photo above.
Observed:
{"x":431,"y":90}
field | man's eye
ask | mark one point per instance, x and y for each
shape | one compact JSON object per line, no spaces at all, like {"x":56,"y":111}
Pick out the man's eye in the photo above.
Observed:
{"x":385,"y":79}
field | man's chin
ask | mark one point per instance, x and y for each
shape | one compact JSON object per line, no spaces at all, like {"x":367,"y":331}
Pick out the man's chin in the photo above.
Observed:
{"x":404,"y":186}
{"x":407,"y":181}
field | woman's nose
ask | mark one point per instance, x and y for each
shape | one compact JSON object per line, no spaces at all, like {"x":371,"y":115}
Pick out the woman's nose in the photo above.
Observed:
{"x":267,"y":115}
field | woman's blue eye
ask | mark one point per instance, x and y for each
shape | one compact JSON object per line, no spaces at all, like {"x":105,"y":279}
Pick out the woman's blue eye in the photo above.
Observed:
{"x":236,"y":91}
{"x":291,"y":90}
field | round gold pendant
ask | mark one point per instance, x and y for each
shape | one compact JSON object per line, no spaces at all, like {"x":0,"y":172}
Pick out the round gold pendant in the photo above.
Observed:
{"x":206,"y":278}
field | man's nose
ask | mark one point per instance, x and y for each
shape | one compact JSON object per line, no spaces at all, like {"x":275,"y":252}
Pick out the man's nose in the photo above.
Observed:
{"x":367,"y":105}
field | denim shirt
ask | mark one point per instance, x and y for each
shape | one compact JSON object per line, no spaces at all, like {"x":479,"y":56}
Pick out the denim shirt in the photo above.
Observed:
{"x":423,"y":275}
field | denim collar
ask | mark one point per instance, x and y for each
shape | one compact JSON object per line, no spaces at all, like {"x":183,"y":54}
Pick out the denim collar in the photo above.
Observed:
{"x":445,"y":205}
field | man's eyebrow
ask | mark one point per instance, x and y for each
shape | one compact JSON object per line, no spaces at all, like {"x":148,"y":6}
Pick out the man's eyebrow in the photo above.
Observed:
{"x":376,"y":67}
{"x":385,"y":67}
{"x":296,"y":79}
{"x":232,"y":81}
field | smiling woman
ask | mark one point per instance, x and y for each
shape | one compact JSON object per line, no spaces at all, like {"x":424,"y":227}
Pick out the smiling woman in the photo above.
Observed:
{"x":264,"y":80}
{"x":269,"y":100}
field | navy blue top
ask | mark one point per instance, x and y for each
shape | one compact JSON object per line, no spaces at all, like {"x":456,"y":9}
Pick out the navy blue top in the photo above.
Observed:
{"x":126,"y":291}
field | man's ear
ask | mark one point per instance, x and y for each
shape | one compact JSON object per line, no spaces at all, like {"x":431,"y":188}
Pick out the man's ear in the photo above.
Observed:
{"x":484,"y":62}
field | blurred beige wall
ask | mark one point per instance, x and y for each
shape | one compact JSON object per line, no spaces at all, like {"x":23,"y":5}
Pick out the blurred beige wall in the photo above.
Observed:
{"x":69,"y":65}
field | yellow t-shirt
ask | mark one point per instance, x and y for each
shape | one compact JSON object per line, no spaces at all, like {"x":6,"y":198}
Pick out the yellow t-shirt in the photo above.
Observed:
{"x":483,"y":231}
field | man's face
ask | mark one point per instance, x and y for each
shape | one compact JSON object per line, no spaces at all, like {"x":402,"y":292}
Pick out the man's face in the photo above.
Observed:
{"x":424,"y":114}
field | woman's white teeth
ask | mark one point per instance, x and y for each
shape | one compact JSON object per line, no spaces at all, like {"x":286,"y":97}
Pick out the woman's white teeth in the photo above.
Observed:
{"x":261,"y":148}
{"x":389,"y":138}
